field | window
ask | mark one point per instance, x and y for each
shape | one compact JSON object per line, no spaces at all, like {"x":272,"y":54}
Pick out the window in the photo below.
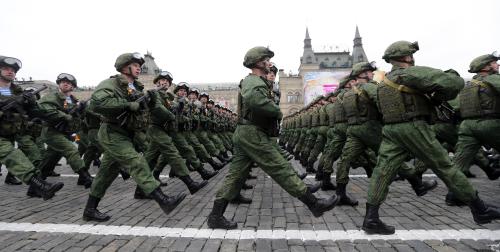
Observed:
{"x":293,"y":97}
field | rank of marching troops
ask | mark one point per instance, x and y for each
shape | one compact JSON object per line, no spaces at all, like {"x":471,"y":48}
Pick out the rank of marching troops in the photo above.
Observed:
{"x":122,"y":129}
{"x":412,"y":114}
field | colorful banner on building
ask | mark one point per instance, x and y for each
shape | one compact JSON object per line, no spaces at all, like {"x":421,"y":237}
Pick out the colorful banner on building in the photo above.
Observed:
{"x":321,"y":83}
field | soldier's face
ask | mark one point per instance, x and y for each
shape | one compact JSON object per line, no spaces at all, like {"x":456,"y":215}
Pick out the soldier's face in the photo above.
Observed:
{"x":65,"y":86}
{"x":181,"y":92}
{"x":209,"y":105}
{"x":163,"y":84}
{"x":271,"y":76}
{"x":134,"y":69}
{"x":265,"y":65}
{"x":8,"y":73}
{"x":192,"y":96}
{"x":494,"y":66}
{"x":203,"y":99}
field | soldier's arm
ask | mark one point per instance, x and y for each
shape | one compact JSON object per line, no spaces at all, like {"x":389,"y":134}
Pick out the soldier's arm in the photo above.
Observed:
{"x":255,"y":95}
{"x":442,"y":86}
{"x":161,"y":112}
{"x":104,"y":102}
{"x":371,"y":91}
{"x":50,"y":110}
{"x":494,"y":81}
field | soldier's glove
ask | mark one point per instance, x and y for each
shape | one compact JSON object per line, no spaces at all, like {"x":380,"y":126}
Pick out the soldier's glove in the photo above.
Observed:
{"x":133,"y":106}
{"x":29,"y":98}
{"x":152,"y":97}
{"x":67,"y":118}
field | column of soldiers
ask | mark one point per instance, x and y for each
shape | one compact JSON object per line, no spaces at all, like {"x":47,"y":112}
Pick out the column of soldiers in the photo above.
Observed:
{"x":377,"y":126}
{"x":414,"y":113}
{"x":136,"y":132}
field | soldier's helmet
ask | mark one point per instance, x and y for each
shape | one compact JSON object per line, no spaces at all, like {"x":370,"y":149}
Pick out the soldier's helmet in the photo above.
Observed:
{"x":360,"y":67}
{"x":255,"y":55}
{"x":344,"y":81}
{"x":400,"y":49}
{"x":480,"y":62}
{"x":274,"y":69}
{"x":204,"y":94}
{"x":67,"y":77}
{"x":164,"y":75}
{"x":11,"y":62}
{"x":211,"y":101}
{"x":128,"y":58}
{"x":182,"y":85}
{"x":194,"y":91}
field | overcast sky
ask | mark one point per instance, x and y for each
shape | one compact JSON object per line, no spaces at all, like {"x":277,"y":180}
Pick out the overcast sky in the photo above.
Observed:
{"x":205,"y":41}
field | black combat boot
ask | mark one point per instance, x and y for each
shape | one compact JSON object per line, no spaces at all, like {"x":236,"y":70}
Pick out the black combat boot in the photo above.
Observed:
{"x":216,"y":165}
{"x":250,"y":176}
{"x":84,"y":179}
{"x":482,"y":212}
{"x":421,"y":188}
{"x":372,"y":223}
{"x":327,"y":184}
{"x":167,"y":203}
{"x":192,"y":185}
{"x":302,"y":176}
{"x":97,"y":162}
{"x":225,"y":155}
{"x":125,"y":175}
{"x":205,"y":174}
{"x":318,"y":206}
{"x":172,"y":174}
{"x":319,"y":173}
{"x":246,"y":186}
{"x":156,"y":175}
{"x":288,"y":157}
{"x":491,"y":171}
{"x":12,"y":180}
{"x":344,"y":199}
{"x":216,"y":218}
{"x":241,"y":200}
{"x":223,"y":159}
{"x":469,"y":174}
{"x":41,"y":187}
{"x":90,"y":213}
{"x":32,"y":192}
{"x":310,"y":167}
{"x":452,"y":200}
{"x":53,"y":174}
{"x":296,"y":155}
{"x":139,"y":194}
{"x":314,"y":188}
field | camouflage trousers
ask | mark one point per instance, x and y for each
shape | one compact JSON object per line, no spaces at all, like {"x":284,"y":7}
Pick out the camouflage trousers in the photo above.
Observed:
{"x":417,"y":138}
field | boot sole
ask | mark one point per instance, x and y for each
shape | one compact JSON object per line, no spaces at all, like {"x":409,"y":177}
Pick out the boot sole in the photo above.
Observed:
{"x":52,"y":192}
{"x":170,"y":208}
{"x":86,"y":218}
{"x":372,"y":231}
{"x":319,"y":214}
{"x":194,"y":190}
{"x":426,"y":191}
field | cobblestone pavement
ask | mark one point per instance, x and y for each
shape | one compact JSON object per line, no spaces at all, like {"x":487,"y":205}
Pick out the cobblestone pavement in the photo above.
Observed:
{"x":274,"y":220}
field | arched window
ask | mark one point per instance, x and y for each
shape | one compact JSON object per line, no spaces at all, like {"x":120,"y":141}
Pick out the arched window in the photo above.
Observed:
{"x":293,"y":97}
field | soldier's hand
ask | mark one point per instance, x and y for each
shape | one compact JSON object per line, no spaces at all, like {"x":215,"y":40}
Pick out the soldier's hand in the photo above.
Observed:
{"x":133,"y":106}
{"x":29,"y":98}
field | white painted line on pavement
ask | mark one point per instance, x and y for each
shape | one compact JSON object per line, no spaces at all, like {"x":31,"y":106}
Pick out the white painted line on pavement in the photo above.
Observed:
{"x":364,"y":176}
{"x":238,"y":234}
{"x":93,"y":175}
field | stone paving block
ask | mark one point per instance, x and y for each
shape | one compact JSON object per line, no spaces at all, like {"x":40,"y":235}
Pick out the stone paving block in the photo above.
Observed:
{"x":228,"y":245}
{"x":93,"y":248}
{"x":279,"y":244}
{"x":114,"y":245}
{"x":132,"y":244}
{"x":246,"y":245}
{"x":195,"y":245}
{"x":263,"y":245}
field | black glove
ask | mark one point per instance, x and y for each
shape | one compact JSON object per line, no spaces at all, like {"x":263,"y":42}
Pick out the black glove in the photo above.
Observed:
{"x":152,"y":97}
{"x":29,"y":98}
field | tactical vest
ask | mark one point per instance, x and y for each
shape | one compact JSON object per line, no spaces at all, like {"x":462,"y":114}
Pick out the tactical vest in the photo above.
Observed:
{"x":358,"y":107}
{"x":479,"y":99}
{"x":399,"y":103}
{"x":338,"y":111}
{"x":323,"y":117}
{"x":12,"y":121}
{"x":315,"y":118}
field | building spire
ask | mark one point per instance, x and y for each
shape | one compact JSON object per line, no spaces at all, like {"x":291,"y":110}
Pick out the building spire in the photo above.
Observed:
{"x":358,"y":53}
{"x":307,"y":40}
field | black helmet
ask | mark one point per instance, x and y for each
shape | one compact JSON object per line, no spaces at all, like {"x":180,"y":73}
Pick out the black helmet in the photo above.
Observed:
{"x":11,"y":62}
{"x":164,"y":75}
{"x":68,"y":77}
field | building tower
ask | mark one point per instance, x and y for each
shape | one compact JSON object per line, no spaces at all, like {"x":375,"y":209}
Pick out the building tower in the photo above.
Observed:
{"x":308,"y":55}
{"x":358,"y":53}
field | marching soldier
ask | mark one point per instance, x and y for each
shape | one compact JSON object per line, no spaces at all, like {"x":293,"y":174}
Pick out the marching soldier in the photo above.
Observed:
{"x":13,"y":113}
{"x":405,"y":99}
{"x":125,"y":113}
{"x":252,"y":143}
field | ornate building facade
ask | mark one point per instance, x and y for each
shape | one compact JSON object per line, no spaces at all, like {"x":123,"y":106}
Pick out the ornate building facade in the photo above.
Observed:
{"x":292,"y":85}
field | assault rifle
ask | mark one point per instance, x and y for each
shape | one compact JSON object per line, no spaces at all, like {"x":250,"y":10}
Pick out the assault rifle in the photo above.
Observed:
{"x":13,"y":102}
{"x":143,"y":100}
{"x":79,"y":107}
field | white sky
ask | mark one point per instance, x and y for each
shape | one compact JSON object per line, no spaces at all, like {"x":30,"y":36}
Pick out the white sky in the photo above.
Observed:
{"x":205,"y":41}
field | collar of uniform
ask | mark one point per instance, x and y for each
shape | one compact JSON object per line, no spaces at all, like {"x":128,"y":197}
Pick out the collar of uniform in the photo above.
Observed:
{"x":124,"y":82}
